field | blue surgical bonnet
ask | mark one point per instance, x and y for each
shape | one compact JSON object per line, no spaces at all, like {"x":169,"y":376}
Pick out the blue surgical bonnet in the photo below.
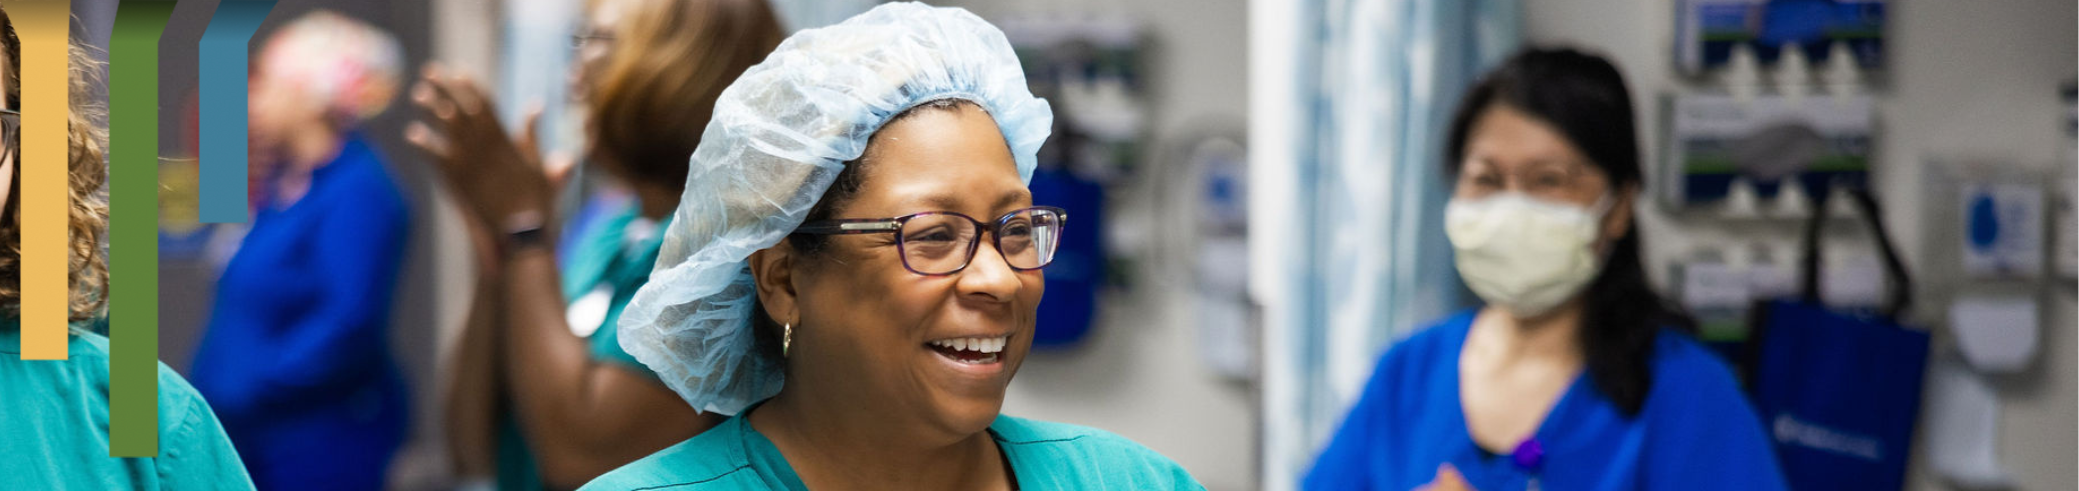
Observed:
{"x":779,"y":136}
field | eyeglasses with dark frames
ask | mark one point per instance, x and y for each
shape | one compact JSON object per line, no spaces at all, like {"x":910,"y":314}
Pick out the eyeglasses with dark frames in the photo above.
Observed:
{"x":10,"y":131}
{"x":940,"y":243}
{"x":589,"y":36}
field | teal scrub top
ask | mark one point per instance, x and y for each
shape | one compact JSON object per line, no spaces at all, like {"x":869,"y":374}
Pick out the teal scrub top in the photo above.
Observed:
{"x":615,"y":254}
{"x":54,"y":426}
{"x":1042,"y":455}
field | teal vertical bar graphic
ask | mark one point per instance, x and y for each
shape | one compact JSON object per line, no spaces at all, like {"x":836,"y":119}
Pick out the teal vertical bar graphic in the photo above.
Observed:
{"x":133,"y":227}
{"x":222,"y":73}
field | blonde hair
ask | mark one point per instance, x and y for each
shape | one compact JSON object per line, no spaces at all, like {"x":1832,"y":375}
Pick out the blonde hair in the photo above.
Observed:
{"x":86,"y":158}
{"x":657,"y":89}
{"x":349,"y":66}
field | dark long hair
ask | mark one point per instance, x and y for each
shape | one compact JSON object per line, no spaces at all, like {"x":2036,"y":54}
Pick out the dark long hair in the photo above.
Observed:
{"x":1585,"y":97}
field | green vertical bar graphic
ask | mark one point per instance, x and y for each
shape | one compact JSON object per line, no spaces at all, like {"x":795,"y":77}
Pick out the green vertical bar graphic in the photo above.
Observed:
{"x":133,"y":227}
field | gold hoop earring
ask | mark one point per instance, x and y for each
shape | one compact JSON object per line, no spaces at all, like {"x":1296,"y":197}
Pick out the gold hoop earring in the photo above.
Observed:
{"x":786,"y":339}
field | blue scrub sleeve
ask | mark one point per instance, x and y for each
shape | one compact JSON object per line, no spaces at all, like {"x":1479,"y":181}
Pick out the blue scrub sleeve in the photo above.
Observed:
{"x":1722,"y":443}
{"x":1348,"y":461}
{"x":363,"y":246}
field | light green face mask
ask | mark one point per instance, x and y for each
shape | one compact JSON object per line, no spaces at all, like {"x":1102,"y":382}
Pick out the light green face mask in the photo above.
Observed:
{"x":1525,"y":255}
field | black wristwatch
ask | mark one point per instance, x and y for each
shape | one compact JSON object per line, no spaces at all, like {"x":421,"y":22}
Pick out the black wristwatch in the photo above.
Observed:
{"x":523,"y":231}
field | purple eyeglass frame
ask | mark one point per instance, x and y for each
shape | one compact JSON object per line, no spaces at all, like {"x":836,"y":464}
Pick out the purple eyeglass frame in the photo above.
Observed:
{"x":857,"y":226}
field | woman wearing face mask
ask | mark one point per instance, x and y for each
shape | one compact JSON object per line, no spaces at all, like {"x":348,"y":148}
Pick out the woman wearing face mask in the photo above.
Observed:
{"x":854,"y":271}
{"x":1576,"y":374}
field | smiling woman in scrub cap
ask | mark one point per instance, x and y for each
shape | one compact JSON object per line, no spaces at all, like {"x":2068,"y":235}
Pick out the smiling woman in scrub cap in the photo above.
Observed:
{"x":854,"y":271}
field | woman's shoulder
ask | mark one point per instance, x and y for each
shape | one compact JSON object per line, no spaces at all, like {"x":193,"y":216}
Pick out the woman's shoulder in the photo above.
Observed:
{"x":363,"y":177}
{"x":1446,"y":333}
{"x":194,"y":452}
{"x":1696,"y":398}
{"x":1012,"y":430}
{"x":1677,"y":354}
{"x":1688,"y":372}
{"x":1079,"y":457}
{"x":177,"y":398}
{"x":1423,"y":347}
{"x":714,"y":459}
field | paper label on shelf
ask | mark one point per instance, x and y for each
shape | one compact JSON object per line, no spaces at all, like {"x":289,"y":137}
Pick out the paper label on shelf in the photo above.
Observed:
{"x":1772,"y":280}
{"x":2002,"y":230}
{"x":1708,"y":285}
{"x":1854,"y":281}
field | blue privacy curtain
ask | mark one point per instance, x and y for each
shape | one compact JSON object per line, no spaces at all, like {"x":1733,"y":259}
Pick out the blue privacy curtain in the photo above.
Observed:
{"x":1350,"y":100}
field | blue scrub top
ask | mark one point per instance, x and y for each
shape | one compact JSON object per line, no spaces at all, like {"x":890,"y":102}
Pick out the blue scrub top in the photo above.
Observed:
{"x":54,"y":426}
{"x":297,"y":351}
{"x":734,"y":456}
{"x":1694,"y":432}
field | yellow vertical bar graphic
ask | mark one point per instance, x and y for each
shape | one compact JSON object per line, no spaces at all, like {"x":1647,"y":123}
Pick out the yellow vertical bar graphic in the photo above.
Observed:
{"x":44,"y":29}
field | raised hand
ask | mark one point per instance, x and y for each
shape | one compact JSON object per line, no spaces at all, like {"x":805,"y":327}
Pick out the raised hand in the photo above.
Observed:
{"x":495,"y":179}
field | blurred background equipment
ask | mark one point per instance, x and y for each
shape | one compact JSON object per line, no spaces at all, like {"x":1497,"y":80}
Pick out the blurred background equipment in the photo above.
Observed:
{"x":1734,"y":151}
{"x":1710,"y":33}
{"x":1216,"y":193}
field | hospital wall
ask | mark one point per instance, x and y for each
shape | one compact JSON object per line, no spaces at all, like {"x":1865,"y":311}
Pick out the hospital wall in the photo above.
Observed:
{"x":1139,"y":374}
{"x":1968,"y":79}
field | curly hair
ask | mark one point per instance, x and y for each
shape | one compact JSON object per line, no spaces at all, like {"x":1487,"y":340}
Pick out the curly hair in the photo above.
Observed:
{"x":88,"y":171}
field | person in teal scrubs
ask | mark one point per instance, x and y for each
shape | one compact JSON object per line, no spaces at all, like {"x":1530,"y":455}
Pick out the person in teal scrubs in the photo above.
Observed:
{"x":54,"y":432}
{"x":854,"y":272}
{"x":610,"y":260}
{"x":1039,"y":454}
{"x":54,"y":413}
{"x":542,"y":395}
